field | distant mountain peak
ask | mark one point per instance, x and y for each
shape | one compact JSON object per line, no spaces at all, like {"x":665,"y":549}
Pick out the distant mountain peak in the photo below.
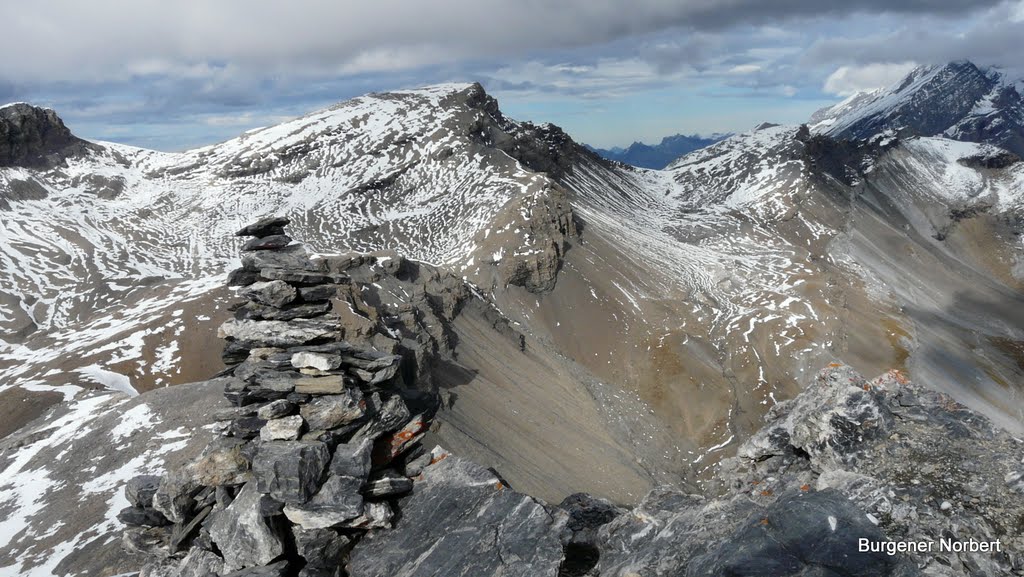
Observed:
{"x":34,"y":136}
{"x":959,"y":100}
{"x":658,"y":156}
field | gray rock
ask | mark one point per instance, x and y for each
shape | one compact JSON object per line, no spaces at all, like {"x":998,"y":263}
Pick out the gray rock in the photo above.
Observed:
{"x":352,"y":460}
{"x":320,"y":361}
{"x":273,"y":293}
{"x":160,"y":568}
{"x":290,"y":471}
{"x":276,"y":409}
{"x":801,"y":534}
{"x":147,"y":541}
{"x":272,"y":242}
{"x":387,"y":483}
{"x":278,"y":569}
{"x":245,"y":538}
{"x":200,"y":563}
{"x":337,"y":502}
{"x":223,"y":464}
{"x":319,"y":293}
{"x":387,"y":417}
{"x":375,"y":516}
{"x":174,"y":496}
{"x":242,"y":277}
{"x":142,"y":517}
{"x":294,"y":257}
{"x":139,"y":490}
{"x":331,"y":411}
{"x":326,"y":385}
{"x":258,"y":312}
{"x":283,"y":429}
{"x":268,"y":226}
{"x":321,"y":548}
{"x":301,"y":277}
{"x":461,"y":520}
{"x":279,"y":333}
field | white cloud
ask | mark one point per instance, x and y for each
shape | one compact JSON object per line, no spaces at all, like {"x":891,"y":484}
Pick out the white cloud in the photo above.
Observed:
{"x":1017,"y":14}
{"x":847,"y":80}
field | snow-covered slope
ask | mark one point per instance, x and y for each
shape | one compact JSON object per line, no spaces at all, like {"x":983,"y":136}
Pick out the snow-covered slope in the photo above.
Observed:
{"x":958,"y":100}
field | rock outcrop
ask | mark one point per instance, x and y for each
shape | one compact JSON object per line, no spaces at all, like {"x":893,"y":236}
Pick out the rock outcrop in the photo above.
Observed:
{"x":848,"y":459}
{"x":32,"y":136}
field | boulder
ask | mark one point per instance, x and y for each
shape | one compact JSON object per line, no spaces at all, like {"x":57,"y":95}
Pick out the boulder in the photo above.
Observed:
{"x":319,"y":361}
{"x":259,"y":312}
{"x":388,"y":483}
{"x":337,"y":502}
{"x":139,"y":490}
{"x":276,"y":409}
{"x":268,"y":226}
{"x":246,"y":538}
{"x":200,"y":563}
{"x":279,"y":333}
{"x":273,"y":293}
{"x":331,"y":411}
{"x":324,"y":385}
{"x":321,"y":548}
{"x":283,"y":429}
{"x":140,"y":516}
{"x":461,"y":520}
{"x":223,"y":464}
{"x":278,"y":569}
{"x":290,"y":471}
{"x":271,"y":242}
{"x":174,"y":496}
{"x":318,"y":293}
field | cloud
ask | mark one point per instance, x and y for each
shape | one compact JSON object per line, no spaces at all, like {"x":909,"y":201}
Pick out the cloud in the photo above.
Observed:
{"x":847,"y":80}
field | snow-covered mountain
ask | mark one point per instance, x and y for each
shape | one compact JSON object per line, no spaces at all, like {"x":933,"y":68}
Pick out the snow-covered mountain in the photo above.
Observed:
{"x":958,"y":100}
{"x":674,"y":307}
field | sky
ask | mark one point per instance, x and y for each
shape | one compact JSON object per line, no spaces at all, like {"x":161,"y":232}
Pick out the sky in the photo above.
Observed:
{"x":175,"y":75}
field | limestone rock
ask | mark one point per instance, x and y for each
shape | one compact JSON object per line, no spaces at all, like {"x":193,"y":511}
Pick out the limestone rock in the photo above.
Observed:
{"x":320,"y":361}
{"x":283,"y":429}
{"x":174,"y":496}
{"x":279,"y":333}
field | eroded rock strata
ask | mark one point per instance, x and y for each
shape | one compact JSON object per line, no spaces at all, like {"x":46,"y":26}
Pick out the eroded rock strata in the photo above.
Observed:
{"x":320,"y":467}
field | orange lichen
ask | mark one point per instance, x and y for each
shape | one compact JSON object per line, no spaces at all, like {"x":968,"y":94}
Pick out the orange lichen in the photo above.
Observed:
{"x":764,"y":521}
{"x":834,"y":365}
{"x":499,"y":486}
{"x":805,"y":487}
{"x":766,"y":492}
{"x":866,"y":387}
{"x":755,"y":482}
{"x":439,"y":458}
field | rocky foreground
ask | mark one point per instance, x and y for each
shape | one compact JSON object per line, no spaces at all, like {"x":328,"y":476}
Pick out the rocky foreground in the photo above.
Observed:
{"x":320,"y":469}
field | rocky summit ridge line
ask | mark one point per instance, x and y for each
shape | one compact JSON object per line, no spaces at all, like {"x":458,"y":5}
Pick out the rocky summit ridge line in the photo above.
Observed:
{"x":320,"y":470}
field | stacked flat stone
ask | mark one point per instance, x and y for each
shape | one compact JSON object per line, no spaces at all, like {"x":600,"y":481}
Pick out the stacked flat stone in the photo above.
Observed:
{"x":322,"y":438}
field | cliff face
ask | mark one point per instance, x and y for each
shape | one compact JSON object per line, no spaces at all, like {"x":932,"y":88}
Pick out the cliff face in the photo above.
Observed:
{"x":32,"y":136}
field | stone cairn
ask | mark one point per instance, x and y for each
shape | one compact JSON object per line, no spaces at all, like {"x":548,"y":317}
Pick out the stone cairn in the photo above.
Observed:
{"x":321,"y":440}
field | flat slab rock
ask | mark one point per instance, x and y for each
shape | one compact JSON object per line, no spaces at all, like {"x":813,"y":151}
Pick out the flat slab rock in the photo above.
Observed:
{"x":462,"y":521}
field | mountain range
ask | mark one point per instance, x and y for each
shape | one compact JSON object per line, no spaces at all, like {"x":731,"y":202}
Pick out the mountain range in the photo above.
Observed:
{"x":658,"y":156}
{"x":622,"y":327}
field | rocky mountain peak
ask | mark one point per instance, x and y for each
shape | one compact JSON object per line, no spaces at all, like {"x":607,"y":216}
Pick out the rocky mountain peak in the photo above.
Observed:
{"x":958,"y":100}
{"x":34,"y":136}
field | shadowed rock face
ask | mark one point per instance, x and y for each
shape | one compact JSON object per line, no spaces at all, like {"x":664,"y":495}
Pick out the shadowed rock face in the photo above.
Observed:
{"x":32,"y":136}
